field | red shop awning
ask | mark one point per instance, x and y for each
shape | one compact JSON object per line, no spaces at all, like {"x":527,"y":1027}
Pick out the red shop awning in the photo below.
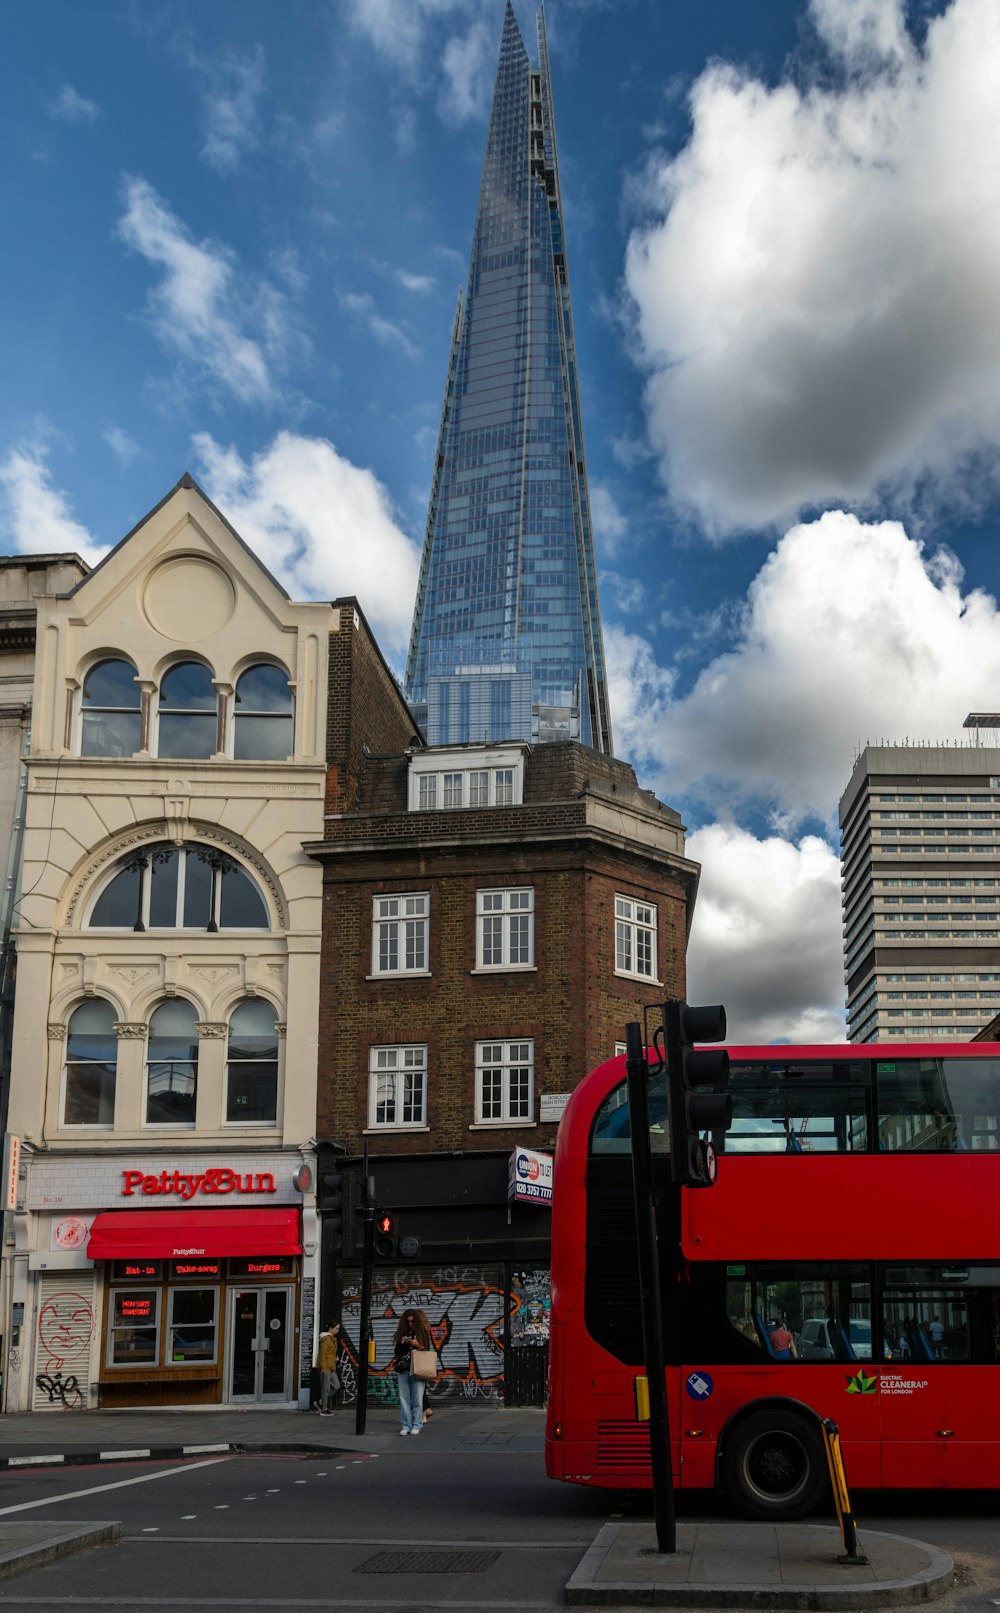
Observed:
{"x":172,"y":1234}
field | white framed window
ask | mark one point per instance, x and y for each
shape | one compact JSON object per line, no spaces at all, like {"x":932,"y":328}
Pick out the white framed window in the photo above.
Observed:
{"x":400,"y":926}
{"x":505,"y":928}
{"x":635,"y":938}
{"x":447,"y":779}
{"x":505,"y":1080}
{"x":397,"y":1086}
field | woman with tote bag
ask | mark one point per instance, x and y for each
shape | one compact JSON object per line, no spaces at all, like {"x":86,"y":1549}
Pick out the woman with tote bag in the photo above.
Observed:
{"x":412,"y":1334}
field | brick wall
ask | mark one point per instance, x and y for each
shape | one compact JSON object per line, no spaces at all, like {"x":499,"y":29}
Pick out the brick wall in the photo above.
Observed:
{"x":572,"y":1004}
{"x":367,"y":711}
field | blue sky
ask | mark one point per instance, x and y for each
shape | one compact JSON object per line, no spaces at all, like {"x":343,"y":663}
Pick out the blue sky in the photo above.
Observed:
{"x":234,"y":238}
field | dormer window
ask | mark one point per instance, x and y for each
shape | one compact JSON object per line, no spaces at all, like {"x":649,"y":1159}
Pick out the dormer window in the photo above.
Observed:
{"x":446,"y":780}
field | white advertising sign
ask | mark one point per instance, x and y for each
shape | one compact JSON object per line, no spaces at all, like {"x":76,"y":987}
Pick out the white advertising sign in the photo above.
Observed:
{"x":529,"y":1177}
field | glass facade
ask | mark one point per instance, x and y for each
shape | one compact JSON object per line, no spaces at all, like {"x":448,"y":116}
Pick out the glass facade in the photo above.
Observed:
{"x":506,"y":640}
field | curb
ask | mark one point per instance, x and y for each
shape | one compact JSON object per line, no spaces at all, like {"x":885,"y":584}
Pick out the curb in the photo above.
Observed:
{"x":585,"y":1590}
{"x":159,"y":1453}
{"x":75,"y":1538}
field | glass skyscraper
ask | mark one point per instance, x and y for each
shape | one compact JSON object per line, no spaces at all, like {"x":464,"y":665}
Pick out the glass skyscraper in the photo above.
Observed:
{"x":506,"y":640}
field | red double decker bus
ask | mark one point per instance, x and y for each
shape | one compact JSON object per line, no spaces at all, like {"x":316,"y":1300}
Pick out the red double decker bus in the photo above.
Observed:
{"x":846,"y":1264}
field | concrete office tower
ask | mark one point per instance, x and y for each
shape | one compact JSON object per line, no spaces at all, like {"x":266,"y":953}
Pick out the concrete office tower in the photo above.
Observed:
{"x":506,"y":639}
{"x":920,"y":865}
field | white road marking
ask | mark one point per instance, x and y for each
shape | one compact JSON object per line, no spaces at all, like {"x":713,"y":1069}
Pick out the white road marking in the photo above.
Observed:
{"x":241,"y":1602}
{"x":119,"y":1484}
{"x":423,"y":1544}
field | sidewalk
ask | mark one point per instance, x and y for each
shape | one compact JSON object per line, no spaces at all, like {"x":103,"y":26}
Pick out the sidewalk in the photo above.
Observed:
{"x":730,"y":1564}
{"x":66,"y":1438}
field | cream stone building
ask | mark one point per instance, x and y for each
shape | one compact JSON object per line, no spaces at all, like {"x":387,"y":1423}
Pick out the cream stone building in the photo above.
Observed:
{"x":161,"y":1245}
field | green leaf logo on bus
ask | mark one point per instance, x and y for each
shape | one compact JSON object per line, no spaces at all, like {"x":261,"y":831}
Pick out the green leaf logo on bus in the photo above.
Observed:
{"x":862,"y":1383}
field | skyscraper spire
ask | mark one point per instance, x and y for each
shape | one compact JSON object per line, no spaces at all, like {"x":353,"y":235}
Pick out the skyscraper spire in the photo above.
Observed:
{"x":506,"y":639}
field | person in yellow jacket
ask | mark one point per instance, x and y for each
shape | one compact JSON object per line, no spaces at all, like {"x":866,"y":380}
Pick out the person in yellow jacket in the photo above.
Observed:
{"x":326,"y":1362}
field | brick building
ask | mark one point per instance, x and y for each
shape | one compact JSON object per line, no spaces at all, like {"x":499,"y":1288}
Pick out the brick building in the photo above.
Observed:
{"x":494,"y":915}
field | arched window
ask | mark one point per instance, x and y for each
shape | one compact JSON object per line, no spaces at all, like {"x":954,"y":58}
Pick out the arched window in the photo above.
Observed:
{"x":163,"y":887}
{"x":110,"y":706}
{"x":263,"y":724}
{"x":252,"y":1064}
{"x":91,"y":1057}
{"x":172,"y":1065}
{"x":188,"y":713}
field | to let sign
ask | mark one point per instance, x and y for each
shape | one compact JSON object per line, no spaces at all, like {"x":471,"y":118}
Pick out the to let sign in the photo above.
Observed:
{"x":529,"y":1177}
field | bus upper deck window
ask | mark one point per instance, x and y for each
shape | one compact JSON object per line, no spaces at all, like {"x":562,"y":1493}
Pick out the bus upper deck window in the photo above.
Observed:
{"x":797,"y":1106}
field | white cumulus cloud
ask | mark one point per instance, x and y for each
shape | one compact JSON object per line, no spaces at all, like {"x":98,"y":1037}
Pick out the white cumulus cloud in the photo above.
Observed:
{"x":766,"y":936}
{"x":816,"y":284}
{"x":226,"y":325}
{"x":323,"y":526}
{"x":35,"y":517}
{"x":850,"y":632}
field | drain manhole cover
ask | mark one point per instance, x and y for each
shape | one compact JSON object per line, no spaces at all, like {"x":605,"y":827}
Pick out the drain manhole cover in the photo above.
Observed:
{"x":428,"y":1562}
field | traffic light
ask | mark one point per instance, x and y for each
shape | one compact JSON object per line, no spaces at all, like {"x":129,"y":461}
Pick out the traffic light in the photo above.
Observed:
{"x":385,"y":1235}
{"x":332,"y":1207}
{"x":697,"y":1080}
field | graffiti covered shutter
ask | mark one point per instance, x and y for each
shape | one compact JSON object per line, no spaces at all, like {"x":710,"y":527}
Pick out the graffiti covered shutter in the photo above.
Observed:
{"x":63,"y":1334}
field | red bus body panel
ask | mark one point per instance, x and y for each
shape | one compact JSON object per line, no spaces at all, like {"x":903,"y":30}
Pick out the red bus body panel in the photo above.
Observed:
{"x":845,"y":1206}
{"x":915,"y":1425}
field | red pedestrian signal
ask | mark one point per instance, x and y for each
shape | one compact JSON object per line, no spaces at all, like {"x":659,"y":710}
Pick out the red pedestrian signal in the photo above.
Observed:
{"x":385,"y":1235}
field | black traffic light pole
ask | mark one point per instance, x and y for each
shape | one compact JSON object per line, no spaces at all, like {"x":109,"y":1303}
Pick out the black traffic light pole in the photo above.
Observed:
{"x":364,"y":1320}
{"x":637,"y":1073}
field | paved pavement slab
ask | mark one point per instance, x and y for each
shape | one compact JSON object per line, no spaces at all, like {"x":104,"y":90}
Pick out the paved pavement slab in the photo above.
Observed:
{"x":30,"y":1545}
{"x":756,"y":1565}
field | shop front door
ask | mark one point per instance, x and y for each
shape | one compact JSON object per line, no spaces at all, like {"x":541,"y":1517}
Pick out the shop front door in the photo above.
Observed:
{"x":259,"y":1343}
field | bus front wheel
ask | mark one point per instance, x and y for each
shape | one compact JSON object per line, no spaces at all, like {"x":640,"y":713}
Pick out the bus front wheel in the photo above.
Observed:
{"x":773,"y":1466}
